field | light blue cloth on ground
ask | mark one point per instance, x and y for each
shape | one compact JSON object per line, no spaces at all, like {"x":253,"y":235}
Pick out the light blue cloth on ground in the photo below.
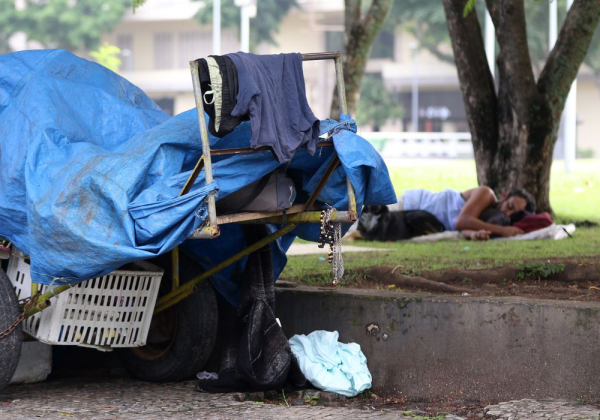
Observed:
{"x":445,"y":205}
{"x":330,"y":365}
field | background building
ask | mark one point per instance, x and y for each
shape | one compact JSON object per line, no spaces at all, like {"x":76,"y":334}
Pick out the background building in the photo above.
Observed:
{"x":160,"y":38}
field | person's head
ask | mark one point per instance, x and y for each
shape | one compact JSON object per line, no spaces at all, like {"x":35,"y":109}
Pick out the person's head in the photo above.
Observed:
{"x":516,"y":201}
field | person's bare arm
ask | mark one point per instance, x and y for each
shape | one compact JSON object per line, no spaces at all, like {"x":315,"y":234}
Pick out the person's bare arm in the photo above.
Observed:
{"x":476,"y":235}
{"x":477,"y":200}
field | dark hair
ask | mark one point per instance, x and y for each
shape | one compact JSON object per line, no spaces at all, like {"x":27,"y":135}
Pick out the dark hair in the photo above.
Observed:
{"x":524,"y":194}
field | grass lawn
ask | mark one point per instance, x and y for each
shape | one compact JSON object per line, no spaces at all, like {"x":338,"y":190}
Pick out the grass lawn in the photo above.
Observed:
{"x":574,"y":196}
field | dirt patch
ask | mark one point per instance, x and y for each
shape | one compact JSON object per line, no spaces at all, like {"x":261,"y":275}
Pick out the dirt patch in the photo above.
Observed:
{"x":563,"y":279}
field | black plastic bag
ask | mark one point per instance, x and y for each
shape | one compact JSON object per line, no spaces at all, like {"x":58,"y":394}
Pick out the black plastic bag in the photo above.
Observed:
{"x":258,"y":356}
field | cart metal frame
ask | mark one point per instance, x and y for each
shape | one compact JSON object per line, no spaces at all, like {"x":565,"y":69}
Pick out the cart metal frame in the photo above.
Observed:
{"x":300,"y":213}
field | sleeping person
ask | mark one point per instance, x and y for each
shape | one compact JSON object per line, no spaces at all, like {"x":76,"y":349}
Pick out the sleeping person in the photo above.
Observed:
{"x":456,"y":211}
{"x":462,"y":210}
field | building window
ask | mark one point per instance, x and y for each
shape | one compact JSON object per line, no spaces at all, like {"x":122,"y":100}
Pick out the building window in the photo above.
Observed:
{"x":166,"y":104}
{"x":163,"y":51}
{"x":125,"y":43}
{"x":193,"y":45}
{"x":439,"y":110}
{"x":334,"y":41}
{"x":383,"y":47}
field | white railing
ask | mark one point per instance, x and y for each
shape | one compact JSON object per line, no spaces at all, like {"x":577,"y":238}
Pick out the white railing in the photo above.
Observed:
{"x":412,"y":144}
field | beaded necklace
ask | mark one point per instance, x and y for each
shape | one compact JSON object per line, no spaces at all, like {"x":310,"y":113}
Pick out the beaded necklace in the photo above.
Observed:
{"x":331,"y":233}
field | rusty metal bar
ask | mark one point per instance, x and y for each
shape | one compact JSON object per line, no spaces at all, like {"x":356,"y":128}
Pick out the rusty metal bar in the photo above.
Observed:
{"x":243,"y":217}
{"x":241,"y":150}
{"x":313,"y":197}
{"x":321,"y":56}
{"x":193,"y":176}
{"x":208,"y":175}
{"x":175,"y":268}
{"x":176,"y":296}
{"x":307,"y":217}
{"x":339,"y":75}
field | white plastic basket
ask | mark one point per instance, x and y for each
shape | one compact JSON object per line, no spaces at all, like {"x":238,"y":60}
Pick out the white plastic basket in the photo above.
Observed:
{"x":105,"y":312}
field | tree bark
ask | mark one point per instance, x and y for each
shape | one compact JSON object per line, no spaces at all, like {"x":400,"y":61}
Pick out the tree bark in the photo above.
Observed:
{"x":477,"y":85}
{"x":360,"y":33}
{"x":515,"y":130}
{"x":525,"y":125}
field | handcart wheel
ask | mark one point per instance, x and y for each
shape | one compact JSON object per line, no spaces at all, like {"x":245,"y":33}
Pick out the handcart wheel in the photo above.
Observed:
{"x":181,"y":338}
{"x":10,"y":345}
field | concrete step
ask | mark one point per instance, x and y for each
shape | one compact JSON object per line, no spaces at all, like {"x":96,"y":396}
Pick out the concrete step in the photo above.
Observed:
{"x":425,"y":347}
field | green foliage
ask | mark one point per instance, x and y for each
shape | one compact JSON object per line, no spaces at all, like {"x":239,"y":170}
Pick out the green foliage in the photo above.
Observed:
{"x":284,"y":398}
{"x":539,"y":270}
{"x":311,"y":400}
{"x":469,"y":7}
{"x":108,"y":56}
{"x":68,"y":24}
{"x":269,"y":15}
{"x":9,"y":22}
{"x":138,"y":3}
{"x":585,"y":153}
{"x":376,"y":104}
{"x":425,"y":20}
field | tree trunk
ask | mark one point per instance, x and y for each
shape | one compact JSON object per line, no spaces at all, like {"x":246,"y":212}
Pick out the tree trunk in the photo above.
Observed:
{"x":360,"y":33}
{"x":514,"y":130}
{"x":527,"y":132}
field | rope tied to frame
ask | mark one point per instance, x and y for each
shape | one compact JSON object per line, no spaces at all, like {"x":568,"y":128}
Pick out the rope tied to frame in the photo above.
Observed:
{"x":332,"y":127}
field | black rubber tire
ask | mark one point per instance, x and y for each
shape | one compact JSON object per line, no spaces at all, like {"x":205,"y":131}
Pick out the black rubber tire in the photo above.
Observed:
{"x":192,"y":335}
{"x":10,"y":346}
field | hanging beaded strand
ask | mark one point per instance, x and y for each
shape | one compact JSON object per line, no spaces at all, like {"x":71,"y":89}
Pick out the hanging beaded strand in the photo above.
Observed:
{"x":338,"y":262}
{"x":332,"y":234}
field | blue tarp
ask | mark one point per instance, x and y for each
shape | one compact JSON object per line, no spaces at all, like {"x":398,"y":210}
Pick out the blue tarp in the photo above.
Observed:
{"x":90,"y":170}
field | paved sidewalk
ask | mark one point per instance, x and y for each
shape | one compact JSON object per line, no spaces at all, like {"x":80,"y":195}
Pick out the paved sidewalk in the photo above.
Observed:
{"x":313,"y":248}
{"x":542,"y":409}
{"x":120,"y":398}
{"x":110,"y":398}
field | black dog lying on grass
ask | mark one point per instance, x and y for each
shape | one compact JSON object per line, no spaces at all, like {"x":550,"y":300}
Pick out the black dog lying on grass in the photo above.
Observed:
{"x":378,"y":223}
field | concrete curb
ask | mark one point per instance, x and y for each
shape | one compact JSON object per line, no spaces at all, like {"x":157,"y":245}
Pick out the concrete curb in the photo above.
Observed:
{"x":440,"y":347}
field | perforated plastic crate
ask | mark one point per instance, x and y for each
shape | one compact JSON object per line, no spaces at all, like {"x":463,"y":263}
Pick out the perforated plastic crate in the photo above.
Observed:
{"x":105,"y":312}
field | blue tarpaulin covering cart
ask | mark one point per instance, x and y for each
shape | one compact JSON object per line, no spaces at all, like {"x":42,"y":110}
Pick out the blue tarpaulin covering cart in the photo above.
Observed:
{"x":92,"y":177}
